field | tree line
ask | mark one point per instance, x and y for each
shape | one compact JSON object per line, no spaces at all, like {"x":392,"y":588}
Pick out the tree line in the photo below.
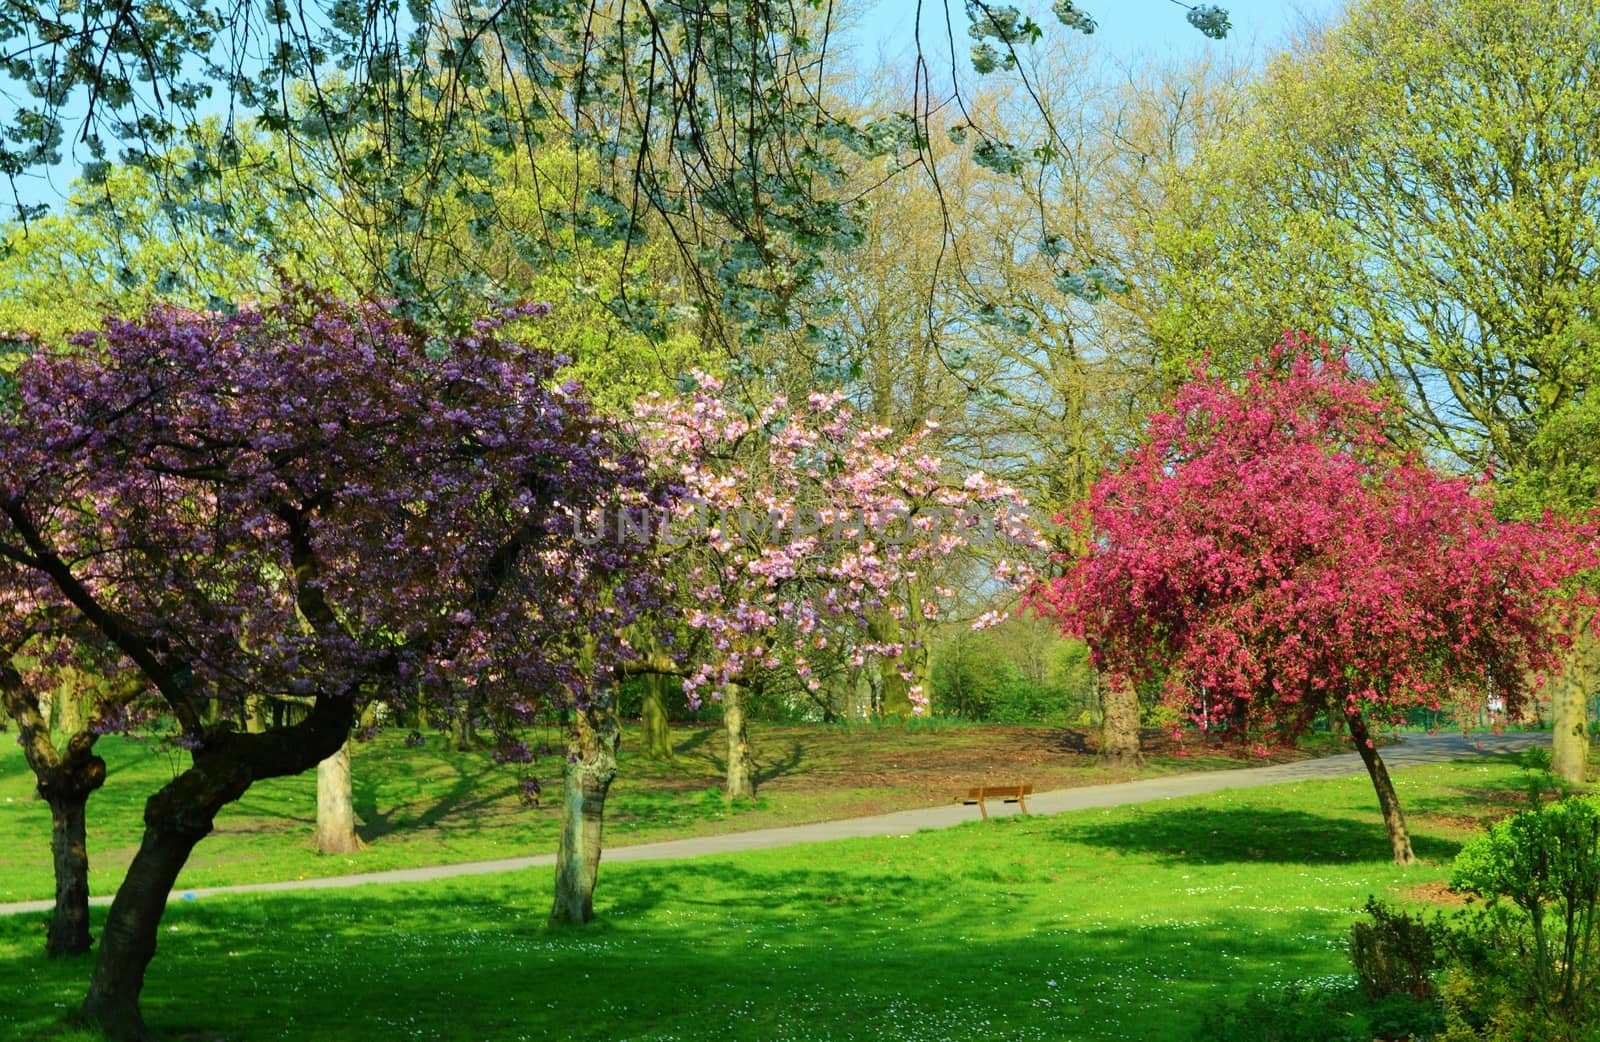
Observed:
{"x":1034,"y":261}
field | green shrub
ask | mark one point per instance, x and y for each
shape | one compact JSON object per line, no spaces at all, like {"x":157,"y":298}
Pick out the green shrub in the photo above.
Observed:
{"x":1321,"y":1011}
{"x":1525,"y":965}
{"x":1395,"y":953}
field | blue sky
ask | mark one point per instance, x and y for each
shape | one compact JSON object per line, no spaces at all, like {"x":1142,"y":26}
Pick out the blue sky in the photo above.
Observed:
{"x":1126,"y":29}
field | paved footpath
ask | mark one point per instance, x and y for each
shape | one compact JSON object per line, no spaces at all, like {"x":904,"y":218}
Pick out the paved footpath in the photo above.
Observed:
{"x":1414,"y":751}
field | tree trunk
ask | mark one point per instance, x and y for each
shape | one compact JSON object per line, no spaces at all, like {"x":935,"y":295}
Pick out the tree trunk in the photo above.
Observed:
{"x":254,"y":721}
{"x":858,"y":695}
{"x":336,"y":811}
{"x":69,"y":849}
{"x":1393,"y":818}
{"x":740,"y":783}
{"x":129,"y":941}
{"x":895,"y":689}
{"x":72,"y":702}
{"x":176,"y":818}
{"x":1119,"y":725}
{"x":463,"y":738}
{"x":656,"y":736}
{"x":591,"y":767}
{"x":65,"y":780}
{"x":1569,"y":712}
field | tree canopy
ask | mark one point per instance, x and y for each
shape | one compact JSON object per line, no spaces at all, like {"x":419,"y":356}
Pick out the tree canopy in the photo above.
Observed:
{"x":318,"y":500}
{"x":715,"y":126}
{"x":1269,"y":553}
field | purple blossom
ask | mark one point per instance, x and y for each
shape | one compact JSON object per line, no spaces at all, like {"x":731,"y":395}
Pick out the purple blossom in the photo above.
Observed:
{"x":301,"y":499}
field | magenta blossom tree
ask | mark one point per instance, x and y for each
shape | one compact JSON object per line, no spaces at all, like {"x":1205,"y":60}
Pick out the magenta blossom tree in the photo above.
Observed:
{"x":1269,"y":554}
{"x":316,"y":500}
{"x":802,"y":530}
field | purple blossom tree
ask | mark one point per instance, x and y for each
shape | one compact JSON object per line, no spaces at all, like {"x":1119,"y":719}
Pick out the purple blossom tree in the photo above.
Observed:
{"x":315,"y":500}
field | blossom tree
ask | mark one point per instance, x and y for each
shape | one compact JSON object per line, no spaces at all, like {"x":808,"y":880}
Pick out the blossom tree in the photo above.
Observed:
{"x":1269,"y":554}
{"x":316,"y":500}
{"x":36,"y":651}
{"x":801,"y":530}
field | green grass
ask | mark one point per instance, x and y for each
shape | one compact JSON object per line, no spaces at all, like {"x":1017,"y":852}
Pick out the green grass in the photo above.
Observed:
{"x":432,"y":806}
{"x":1128,"y":923}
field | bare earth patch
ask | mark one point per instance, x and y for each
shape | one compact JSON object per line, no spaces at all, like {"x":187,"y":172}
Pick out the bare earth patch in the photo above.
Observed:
{"x":1436,"y":893}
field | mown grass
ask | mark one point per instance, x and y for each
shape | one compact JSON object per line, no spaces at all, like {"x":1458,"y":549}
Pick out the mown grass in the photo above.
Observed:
{"x":433,"y":806}
{"x":1128,"y":923}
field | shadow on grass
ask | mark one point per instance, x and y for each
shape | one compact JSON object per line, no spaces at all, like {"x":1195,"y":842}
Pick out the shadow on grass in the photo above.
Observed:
{"x":768,"y":769}
{"x":1209,"y":836}
{"x":1073,"y":742}
{"x":471,"y":789}
{"x":718,"y":952}
{"x":697,"y":738}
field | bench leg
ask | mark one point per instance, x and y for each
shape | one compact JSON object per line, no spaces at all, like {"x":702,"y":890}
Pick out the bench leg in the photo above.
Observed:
{"x":982,"y":809}
{"x":1022,"y":804}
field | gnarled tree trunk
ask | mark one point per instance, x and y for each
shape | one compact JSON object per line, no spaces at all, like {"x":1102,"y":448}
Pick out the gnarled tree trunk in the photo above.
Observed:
{"x":1393,"y":819}
{"x":336,"y":810}
{"x":740,"y":780}
{"x":69,"y":851}
{"x":176,"y":818}
{"x":591,"y":767}
{"x":1119,"y":725}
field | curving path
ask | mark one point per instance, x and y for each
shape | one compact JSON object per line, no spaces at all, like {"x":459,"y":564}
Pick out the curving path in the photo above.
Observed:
{"x":1413,"y":751}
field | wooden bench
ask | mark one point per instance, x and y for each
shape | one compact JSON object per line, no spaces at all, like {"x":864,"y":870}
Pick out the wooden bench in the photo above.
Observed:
{"x":1017,"y":794}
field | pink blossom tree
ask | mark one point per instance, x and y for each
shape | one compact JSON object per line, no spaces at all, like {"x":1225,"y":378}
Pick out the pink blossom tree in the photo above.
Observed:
{"x":1269,"y":554}
{"x":791,"y":531}
{"x":315,"y":500}
{"x":802,"y":531}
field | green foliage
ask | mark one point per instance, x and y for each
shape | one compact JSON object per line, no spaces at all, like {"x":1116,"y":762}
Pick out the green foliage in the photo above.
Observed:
{"x":1395,"y":952}
{"x":142,"y":234}
{"x":1000,"y":677}
{"x":1540,"y":870}
{"x":1331,"y":1010}
{"x":1417,"y":181}
{"x":1210,"y":20}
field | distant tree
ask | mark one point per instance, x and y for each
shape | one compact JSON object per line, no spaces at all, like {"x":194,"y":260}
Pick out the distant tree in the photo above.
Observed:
{"x":36,"y":657}
{"x":138,"y":236}
{"x":316,"y":500}
{"x":805,"y":531}
{"x":1269,"y":554}
{"x":1418,"y":181}
{"x":715,"y":124}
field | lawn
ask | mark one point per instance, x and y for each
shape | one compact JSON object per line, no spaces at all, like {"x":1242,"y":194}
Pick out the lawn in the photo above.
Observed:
{"x":1127,"y":923}
{"x":432,"y":806}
